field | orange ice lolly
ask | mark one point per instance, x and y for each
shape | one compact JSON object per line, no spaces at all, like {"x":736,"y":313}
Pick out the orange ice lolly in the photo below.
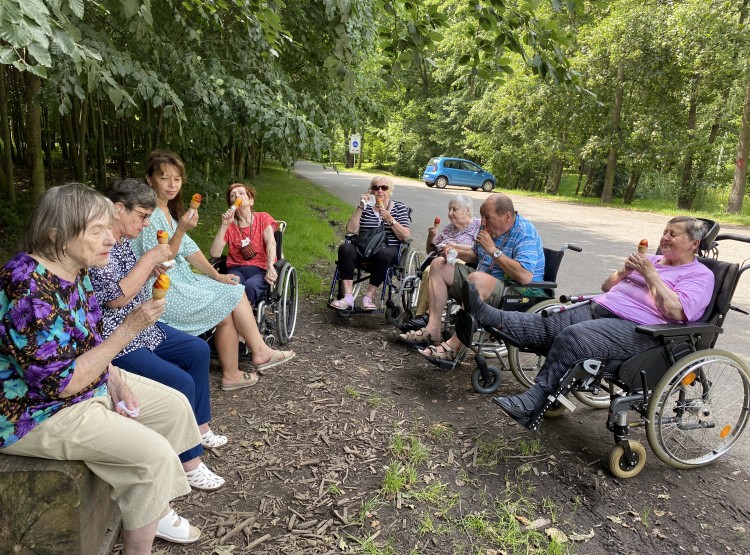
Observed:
{"x":195,"y":202}
{"x":161,"y":286}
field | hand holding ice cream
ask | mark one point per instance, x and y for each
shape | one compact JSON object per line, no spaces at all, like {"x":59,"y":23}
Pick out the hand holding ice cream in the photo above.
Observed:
{"x":162,"y":237}
{"x":643,"y":246}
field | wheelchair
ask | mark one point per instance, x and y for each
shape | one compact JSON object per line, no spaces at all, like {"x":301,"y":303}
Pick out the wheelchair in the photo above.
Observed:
{"x":276,"y":312}
{"x":398,"y":294}
{"x":692,"y":398}
{"x":486,"y":378}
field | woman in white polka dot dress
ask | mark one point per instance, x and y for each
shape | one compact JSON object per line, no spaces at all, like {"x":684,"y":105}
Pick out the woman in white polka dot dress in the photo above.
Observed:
{"x":199,"y":302}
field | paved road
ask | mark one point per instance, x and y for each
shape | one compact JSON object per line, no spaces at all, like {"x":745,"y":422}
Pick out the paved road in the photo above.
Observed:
{"x":607,"y":235}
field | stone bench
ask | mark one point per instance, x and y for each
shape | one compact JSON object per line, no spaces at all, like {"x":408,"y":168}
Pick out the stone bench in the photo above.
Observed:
{"x":54,"y":508}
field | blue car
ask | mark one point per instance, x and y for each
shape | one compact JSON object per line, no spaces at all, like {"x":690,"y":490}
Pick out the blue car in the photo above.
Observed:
{"x":459,"y":172}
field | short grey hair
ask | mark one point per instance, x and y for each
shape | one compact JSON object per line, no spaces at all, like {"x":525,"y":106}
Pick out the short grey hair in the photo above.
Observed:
{"x":462,"y":201}
{"x":61,"y":215}
{"x":132,"y":193}
{"x":696,"y":228}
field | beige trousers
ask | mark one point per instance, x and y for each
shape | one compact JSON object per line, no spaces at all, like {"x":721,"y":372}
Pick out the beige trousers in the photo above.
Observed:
{"x":137,"y":457}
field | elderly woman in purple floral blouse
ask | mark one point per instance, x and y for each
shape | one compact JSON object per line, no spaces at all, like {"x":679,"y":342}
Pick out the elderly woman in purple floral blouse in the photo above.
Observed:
{"x":60,"y":396}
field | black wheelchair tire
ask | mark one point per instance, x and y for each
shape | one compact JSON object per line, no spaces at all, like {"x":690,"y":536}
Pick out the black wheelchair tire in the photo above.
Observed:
{"x":287,"y":304}
{"x":491,"y":385}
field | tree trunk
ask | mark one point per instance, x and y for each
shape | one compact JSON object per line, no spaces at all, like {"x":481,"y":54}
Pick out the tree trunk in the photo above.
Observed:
{"x":609,"y":175}
{"x":633,"y":179}
{"x":6,"y":161}
{"x":688,"y":190}
{"x":34,"y":133}
{"x":49,"y":139}
{"x":581,"y":167}
{"x":121,"y":146}
{"x":590,"y":176}
{"x":737,"y":192}
{"x":157,"y":128}
{"x":555,"y":177}
{"x":101,"y":155}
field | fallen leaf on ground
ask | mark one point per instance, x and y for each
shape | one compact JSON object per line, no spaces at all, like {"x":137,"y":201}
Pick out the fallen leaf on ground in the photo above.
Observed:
{"x":557,"y":535}
{"x":576,"y":537}
{"x":538,"y":523}
{"x":523,"y":520}
{"x":615,"y":519}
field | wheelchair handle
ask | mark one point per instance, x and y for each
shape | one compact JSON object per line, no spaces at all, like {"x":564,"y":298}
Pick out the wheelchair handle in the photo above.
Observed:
{"x":576,"y":298}
{"x":562,"y":308}
{"x":568,"y":246}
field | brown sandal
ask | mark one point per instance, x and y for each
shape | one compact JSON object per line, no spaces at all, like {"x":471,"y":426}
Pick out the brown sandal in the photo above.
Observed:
{"x":447,"y":352}
{"x":418,"y":337}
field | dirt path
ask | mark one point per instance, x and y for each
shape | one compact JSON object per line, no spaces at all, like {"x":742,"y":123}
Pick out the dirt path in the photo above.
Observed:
{"x":316,"y":442}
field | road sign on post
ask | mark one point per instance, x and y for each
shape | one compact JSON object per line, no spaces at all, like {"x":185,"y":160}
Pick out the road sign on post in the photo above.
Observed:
{"x":355,"y":144}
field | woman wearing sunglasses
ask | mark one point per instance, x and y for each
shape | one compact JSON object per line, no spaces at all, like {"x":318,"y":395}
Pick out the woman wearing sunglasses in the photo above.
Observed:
{"x":375,"y":209}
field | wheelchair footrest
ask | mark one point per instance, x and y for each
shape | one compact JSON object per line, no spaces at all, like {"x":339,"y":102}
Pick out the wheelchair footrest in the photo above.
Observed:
{"x":563,"y":400}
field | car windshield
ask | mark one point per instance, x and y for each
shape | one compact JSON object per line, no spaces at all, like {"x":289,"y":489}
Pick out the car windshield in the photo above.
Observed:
{"x":432,"y":162}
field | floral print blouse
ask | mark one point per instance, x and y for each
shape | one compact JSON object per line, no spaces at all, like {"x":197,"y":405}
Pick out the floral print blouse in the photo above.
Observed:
{"x":106,"y":282}
{"x":46,"y":322}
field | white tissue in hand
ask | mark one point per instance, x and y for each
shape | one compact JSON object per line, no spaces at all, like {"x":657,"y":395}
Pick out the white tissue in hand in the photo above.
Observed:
{"x":168,"y":263}
{"x":133,"y":413}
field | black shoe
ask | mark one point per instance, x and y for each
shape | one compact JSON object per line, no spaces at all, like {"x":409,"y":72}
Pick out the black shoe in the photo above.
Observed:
{"x":523,"y":408}
{"x":415,"y":324}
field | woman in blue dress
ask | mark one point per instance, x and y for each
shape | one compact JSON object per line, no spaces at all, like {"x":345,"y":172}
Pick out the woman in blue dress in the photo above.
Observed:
{"x":198,"y":302}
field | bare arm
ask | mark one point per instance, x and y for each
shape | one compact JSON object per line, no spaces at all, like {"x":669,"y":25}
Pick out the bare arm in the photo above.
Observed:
{"x":134,"y":280}
{"x":512,"y":268}
{"x":91,"y":364}
{"x":352,"y":226}
{"x":270,"y":243}
{"x":666,"y":300}
{"x":218,"y":244}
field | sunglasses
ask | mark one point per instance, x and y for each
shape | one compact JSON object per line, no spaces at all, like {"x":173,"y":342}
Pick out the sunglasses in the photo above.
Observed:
{"x":144,"y":216}
{"x":379,"y":188}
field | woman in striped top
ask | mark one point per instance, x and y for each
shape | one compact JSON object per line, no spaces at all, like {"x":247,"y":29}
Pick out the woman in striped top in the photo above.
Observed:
{"x":375,"y":209}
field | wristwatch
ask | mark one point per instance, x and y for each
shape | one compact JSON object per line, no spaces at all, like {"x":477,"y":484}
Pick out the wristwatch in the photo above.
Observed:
{"x":497,"y":254}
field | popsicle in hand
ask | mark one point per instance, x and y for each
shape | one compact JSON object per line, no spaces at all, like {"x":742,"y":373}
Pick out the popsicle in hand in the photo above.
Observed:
{"x":161,"y":286}
{"x":195,"y":201}
{"x":643,"y":246}
{"x":437,"y":221}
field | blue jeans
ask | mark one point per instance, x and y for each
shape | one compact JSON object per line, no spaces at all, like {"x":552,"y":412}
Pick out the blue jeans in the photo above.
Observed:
{"x":181,"y":362}
{"x":254,"y":280}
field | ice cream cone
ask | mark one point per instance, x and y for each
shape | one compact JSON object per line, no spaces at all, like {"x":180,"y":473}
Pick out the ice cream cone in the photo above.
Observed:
{"x":161,"y":286}
{"x":195,"y":202}
{"x":162,"y":237}
{"x":643,"y":246}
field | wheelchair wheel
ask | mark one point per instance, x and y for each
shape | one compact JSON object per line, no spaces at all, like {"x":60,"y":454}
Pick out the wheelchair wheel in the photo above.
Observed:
{"x":489,"y":385}
{"x":620,"y":466}
{"x":600,"y":401}
{"x":286,"y":306}
{"x":412,"y":262}
{"x":525,"y":366}
{"x":699,"y":408}
{"x":555,"y":410}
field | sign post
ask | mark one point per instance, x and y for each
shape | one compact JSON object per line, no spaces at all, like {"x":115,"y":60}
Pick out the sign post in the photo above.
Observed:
{"x":355,"y":145}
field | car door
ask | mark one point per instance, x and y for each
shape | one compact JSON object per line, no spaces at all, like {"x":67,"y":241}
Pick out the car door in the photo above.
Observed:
{"x":453,"y":171}
{"x":472,"y":174}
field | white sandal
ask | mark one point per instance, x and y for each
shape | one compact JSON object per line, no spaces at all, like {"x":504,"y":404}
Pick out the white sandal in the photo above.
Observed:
{"x":204,"y":479}
{"x":210,"y":440}
{"x":176,"y":529}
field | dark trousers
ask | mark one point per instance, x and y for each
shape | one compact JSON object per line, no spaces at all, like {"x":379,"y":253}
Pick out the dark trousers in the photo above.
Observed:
{"x":378,"y":263}
{"x":254,"y":280}
{"x":181,"y":362}
{"x":567,"y":338}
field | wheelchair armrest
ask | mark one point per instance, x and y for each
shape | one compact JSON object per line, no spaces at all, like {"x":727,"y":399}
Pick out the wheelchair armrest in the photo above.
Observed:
{"x":676,"y":330}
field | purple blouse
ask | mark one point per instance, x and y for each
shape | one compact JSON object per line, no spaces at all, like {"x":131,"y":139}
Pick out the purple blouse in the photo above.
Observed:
{"x":46,"y":322}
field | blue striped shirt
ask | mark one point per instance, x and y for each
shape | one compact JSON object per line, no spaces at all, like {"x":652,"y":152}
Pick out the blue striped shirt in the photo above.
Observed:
{"x":522,"y":243}
{"x":400,"y":213}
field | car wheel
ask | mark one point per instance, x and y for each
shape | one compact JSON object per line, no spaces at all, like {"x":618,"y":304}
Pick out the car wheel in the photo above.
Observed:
{"x":429,"y":184}
{"x":441,"y":182}
{"x":488,"y":186}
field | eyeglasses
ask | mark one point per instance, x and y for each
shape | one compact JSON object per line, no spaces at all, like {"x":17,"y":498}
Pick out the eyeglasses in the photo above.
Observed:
{"x":144,"y":216}
{"x":379,"y":188}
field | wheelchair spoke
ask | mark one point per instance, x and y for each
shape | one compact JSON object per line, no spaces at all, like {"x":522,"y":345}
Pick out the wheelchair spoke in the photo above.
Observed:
{"x":699,"y":409}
